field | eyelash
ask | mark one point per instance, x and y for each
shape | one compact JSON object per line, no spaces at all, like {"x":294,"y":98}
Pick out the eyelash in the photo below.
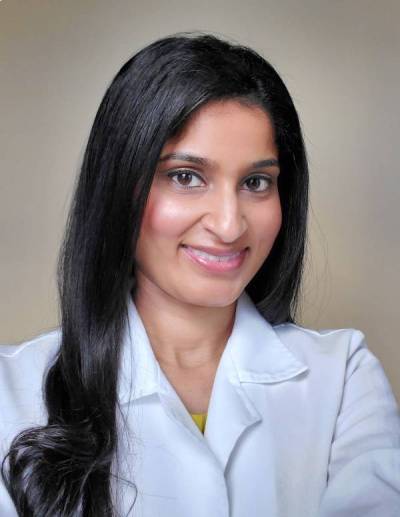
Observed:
{"x":187,"y":171}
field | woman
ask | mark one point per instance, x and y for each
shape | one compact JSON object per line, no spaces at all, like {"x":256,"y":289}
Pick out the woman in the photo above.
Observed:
{"x":178,"y":278}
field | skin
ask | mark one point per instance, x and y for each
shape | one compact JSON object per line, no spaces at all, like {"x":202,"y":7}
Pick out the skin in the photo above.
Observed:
{"x":225,"y":209}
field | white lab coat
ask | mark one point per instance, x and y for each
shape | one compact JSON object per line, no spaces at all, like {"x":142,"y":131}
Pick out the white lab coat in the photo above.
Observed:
{"x":300,"y":424}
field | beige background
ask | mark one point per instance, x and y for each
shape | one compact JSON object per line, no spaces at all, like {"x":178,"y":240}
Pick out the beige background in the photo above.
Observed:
{"x":340,"y":60}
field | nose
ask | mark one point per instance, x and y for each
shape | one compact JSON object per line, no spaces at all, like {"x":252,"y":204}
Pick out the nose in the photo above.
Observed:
{"x":224,"y":216}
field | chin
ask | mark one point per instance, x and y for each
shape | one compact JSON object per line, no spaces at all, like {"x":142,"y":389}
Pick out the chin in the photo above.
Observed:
{"x":214,"y":298}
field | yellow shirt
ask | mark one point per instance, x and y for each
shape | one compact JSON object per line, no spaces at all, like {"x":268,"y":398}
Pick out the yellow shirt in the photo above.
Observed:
{"x":200,"y":419}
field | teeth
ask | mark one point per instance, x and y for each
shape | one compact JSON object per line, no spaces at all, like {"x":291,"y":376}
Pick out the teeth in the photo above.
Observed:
{"x":214,"y":258}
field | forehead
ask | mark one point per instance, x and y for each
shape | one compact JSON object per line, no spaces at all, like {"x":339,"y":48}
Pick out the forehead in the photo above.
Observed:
{"x":222,"y":126}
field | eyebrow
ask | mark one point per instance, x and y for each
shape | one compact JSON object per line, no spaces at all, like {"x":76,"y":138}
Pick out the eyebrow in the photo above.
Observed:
{"x":269,"y":162}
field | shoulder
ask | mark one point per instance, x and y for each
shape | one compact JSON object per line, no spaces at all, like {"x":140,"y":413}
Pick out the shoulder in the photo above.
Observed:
{"x":32,"y":354}
{"x":321,"y":338}
{"x":343,"y":350}
{"x":22,"y":365}
{"x":343,"y":369}
{"x":325,"y":341}
{"x":22,"y":369}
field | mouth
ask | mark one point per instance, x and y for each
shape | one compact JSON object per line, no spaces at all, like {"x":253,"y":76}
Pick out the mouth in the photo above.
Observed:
{"x":218,"y":262}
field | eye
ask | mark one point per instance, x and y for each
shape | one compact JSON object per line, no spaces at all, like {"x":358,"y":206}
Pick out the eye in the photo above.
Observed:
{"x":184,"y":178}
{"x":258,"y":183}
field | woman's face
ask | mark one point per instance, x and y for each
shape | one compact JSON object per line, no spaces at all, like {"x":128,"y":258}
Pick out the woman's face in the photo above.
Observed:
{"x":214,"y":195}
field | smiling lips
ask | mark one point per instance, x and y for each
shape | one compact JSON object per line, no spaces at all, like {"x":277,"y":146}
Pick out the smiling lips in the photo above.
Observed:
{"x":215,"y":260}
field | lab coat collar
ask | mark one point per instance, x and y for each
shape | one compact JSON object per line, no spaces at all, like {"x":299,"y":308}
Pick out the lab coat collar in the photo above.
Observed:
{"x":255,"y":352}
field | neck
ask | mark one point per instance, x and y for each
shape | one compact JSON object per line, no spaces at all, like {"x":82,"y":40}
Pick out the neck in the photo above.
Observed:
{"x":184,"y":335}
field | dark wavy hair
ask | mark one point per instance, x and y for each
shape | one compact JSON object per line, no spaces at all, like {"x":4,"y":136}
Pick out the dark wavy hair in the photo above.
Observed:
{"x":63,"y":469}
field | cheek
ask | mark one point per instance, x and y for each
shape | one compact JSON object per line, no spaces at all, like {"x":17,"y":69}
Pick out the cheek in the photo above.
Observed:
{"x":164,"y":218}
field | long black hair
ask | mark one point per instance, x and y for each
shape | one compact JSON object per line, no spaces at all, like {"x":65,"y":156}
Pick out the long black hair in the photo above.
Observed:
{"x":64,"y":468}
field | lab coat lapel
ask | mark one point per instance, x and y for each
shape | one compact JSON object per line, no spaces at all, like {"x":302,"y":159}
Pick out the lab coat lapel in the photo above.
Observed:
{"x":230,"y":413}
{"x":139,"y":371}
{"x":253,"y":354}
{"x":141,"y":374}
